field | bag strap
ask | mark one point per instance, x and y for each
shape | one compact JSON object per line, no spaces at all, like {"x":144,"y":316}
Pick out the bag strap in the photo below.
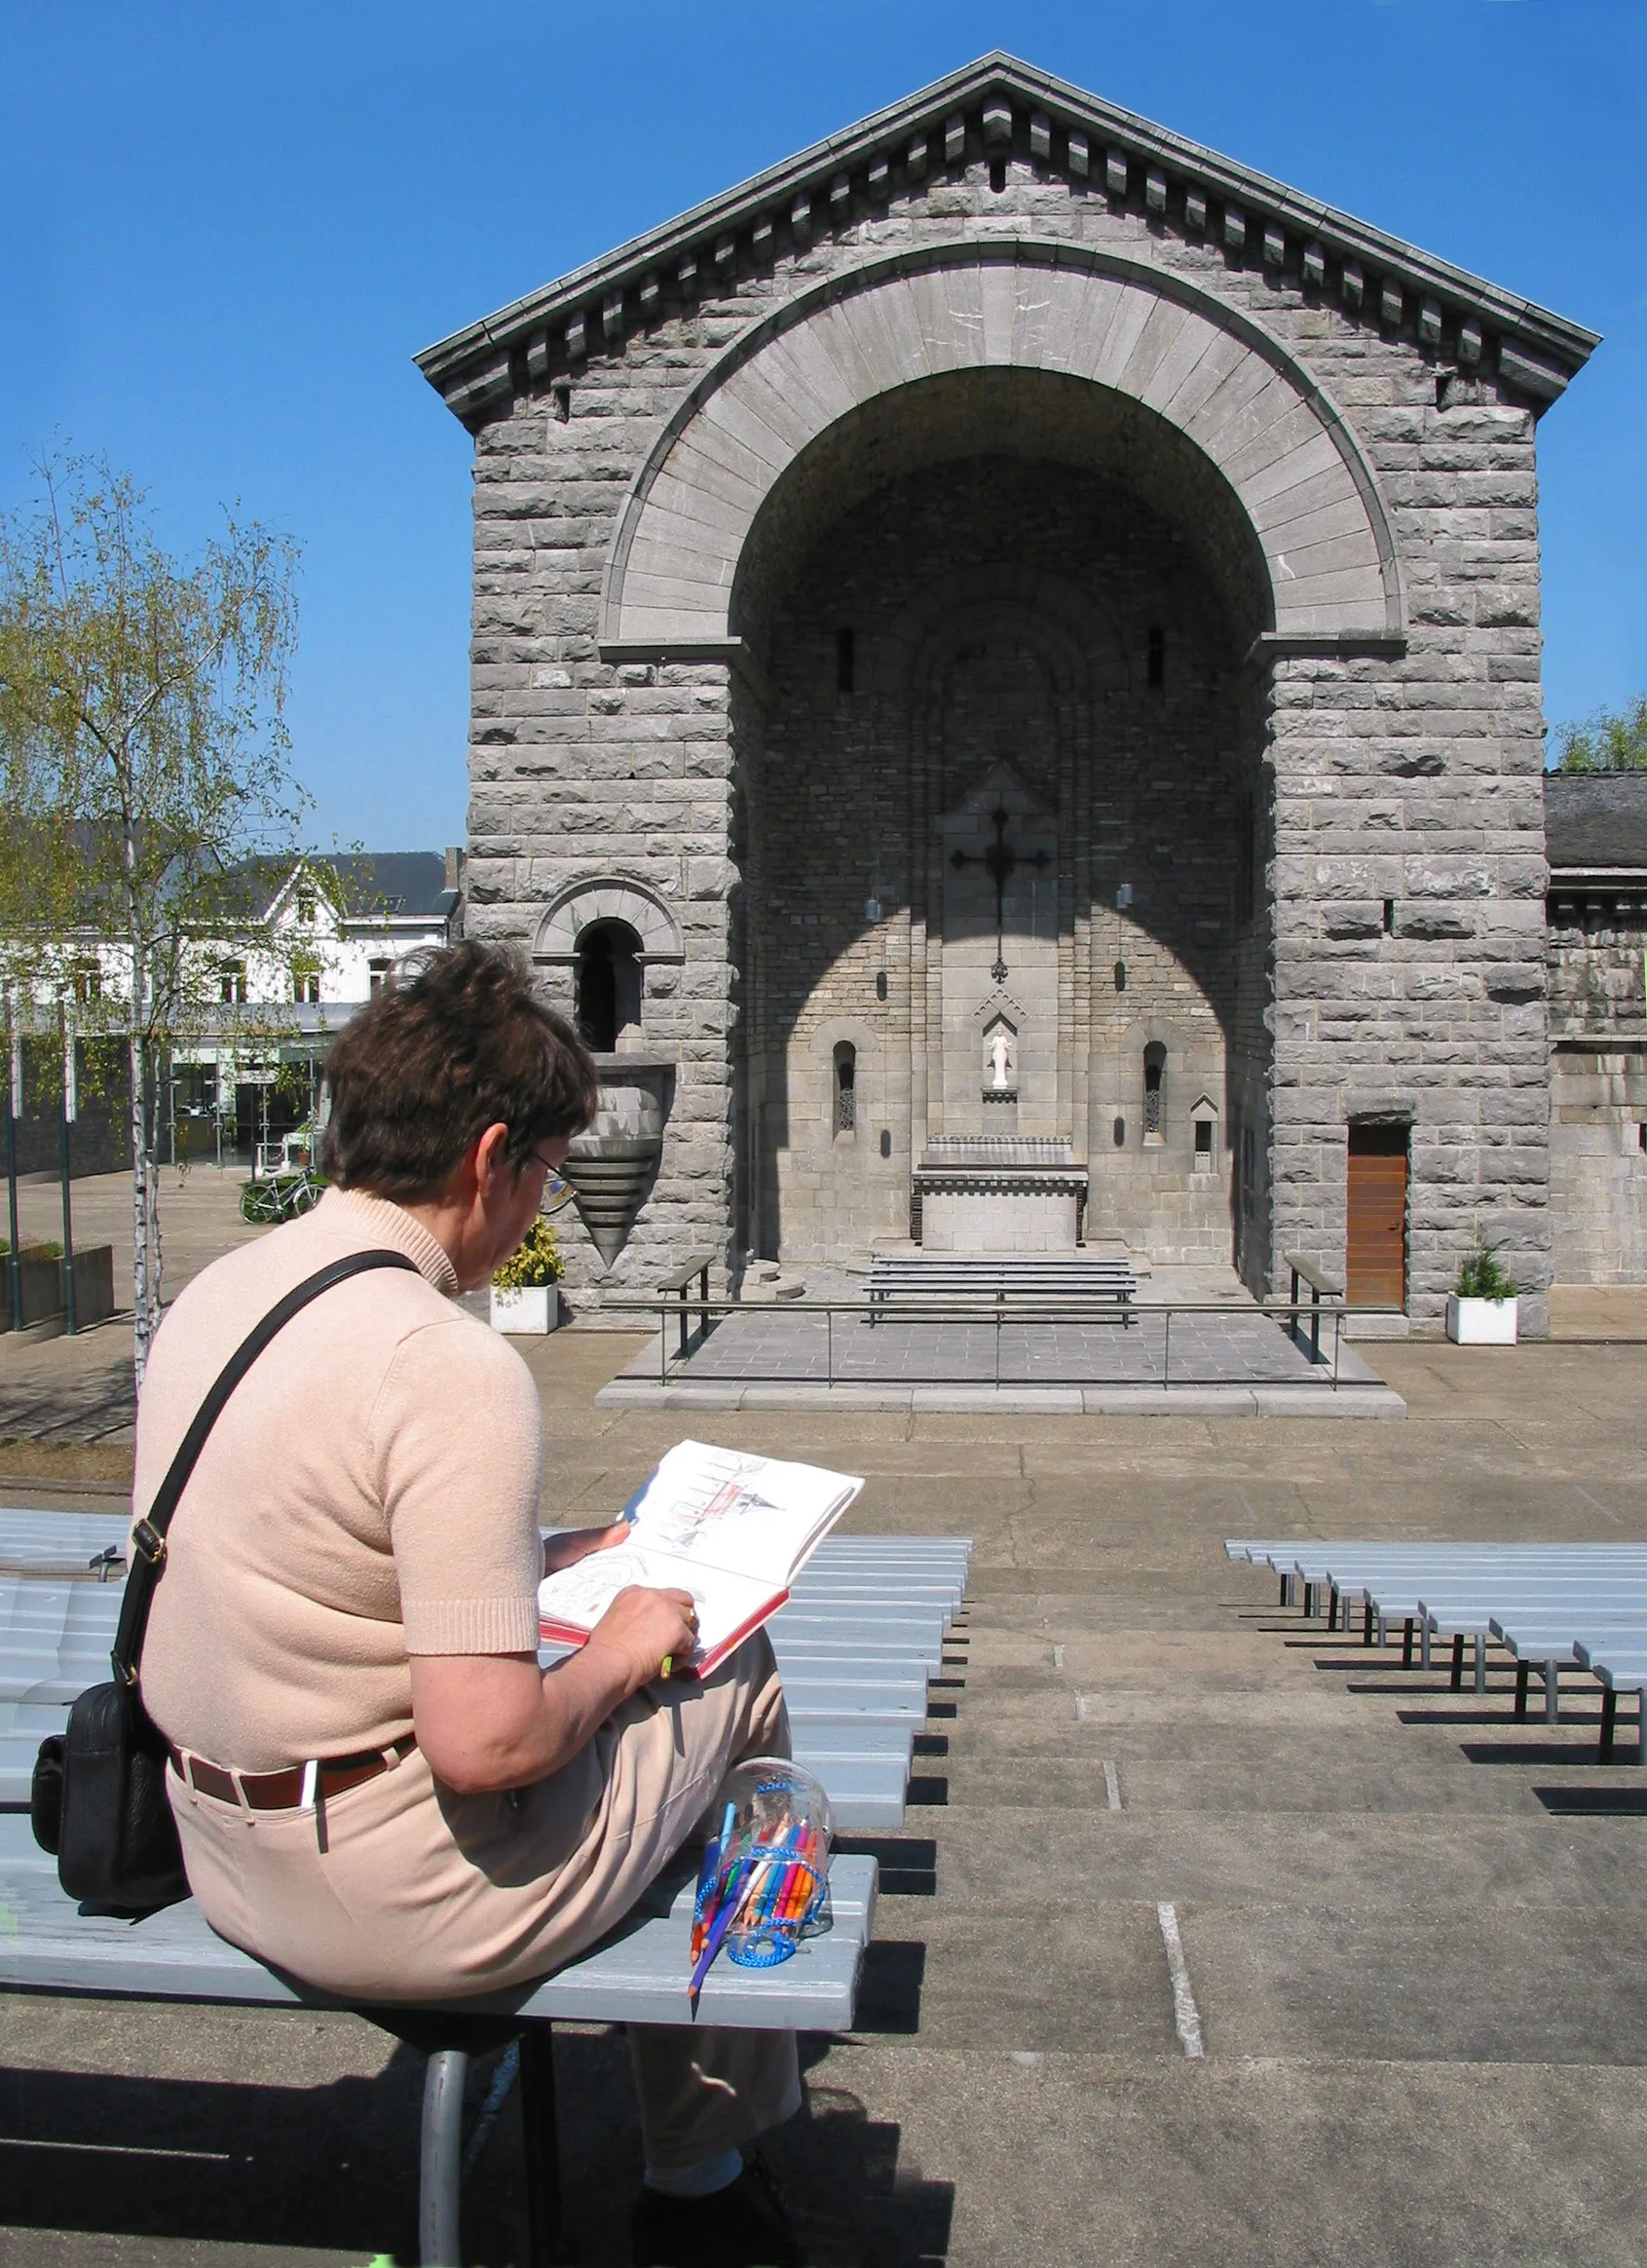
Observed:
{"x":148,"y":1537}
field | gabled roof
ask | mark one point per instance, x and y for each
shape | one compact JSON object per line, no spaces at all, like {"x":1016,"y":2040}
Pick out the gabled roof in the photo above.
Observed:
{"x":1001,"y":105}
{"x":1595,"y":822}
{"x":373,"y":884}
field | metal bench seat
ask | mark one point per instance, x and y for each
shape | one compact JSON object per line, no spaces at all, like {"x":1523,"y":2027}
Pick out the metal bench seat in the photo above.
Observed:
{"x":638,"y":1975}
{"x":1548,"y":1604}
{"x":845,"y":1678}
{"x":1620,"y":1665}
{"x":1546,"y":1642}
{"x":856,"y":1650}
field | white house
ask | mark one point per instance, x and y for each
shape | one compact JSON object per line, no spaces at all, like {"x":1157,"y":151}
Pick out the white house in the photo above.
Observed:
{"x":327,"y":931}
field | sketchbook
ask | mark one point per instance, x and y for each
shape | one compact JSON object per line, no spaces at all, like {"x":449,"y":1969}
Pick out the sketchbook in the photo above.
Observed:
{"x":733,"y":1528}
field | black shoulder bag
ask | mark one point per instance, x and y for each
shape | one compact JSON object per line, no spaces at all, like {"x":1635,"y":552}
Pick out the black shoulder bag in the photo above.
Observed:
{"x":99,"y":1801}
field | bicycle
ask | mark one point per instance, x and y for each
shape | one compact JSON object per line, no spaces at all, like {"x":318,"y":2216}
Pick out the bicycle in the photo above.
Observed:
{"x":280,"y":1196}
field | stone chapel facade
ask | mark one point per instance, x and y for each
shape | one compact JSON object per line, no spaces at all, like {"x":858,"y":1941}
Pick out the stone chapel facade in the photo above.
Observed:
{"x":1012,"y":635}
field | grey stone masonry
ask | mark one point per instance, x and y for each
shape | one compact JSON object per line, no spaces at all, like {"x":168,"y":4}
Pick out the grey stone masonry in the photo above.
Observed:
{"x":1596,"y":831}
{"x":758,"y":604}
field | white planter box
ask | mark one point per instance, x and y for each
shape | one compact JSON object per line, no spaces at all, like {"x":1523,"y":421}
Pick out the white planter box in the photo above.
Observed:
{"x":527,"y":1313}
{"x":1481,"y":1322}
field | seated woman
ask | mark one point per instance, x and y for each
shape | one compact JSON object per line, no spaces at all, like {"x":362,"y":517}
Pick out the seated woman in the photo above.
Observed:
{"x":376,"y":1786}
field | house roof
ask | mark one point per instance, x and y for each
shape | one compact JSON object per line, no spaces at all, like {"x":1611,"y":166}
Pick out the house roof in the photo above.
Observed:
{"x":396,"y":882}
{"x":1001,"y":103}
{"x":374,"y":882}
{"x":1595,"y":822}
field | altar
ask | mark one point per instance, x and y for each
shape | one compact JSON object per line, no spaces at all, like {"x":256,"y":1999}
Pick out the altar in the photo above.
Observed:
{"x":1020,"y":1193}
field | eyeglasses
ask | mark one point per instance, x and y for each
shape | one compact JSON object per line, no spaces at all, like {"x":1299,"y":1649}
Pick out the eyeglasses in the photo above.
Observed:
{"x":557,"y":1190}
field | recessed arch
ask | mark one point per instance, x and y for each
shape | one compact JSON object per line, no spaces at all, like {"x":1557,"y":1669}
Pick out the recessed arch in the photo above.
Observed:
{"x":1205,"y":370}
{"x":579,"y":905}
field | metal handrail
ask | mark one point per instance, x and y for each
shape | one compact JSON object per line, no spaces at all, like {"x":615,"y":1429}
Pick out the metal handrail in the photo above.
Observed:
{"x":1030,"y":1310}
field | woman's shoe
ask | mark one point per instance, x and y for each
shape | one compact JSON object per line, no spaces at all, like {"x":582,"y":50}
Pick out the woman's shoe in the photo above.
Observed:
{"x":742,"y":2226}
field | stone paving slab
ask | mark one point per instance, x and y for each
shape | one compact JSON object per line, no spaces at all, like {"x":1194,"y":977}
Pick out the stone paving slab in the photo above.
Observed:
{"x":1419,"y":1977}
{"x":1234,"y":1363}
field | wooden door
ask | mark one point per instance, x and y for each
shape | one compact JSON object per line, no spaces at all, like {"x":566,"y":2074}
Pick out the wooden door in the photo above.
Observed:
{"x":1375,"y":1255}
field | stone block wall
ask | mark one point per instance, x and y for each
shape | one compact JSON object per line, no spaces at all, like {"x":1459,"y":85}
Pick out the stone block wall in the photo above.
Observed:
{"x":1398,"y":794}
{"x":1598,"y":1081}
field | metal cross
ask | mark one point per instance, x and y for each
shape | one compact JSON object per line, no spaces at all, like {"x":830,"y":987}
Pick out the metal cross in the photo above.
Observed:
{"x":1001,"y":861}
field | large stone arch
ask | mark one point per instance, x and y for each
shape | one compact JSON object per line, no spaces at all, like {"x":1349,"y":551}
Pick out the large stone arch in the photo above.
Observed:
{"x":1207,"y":371}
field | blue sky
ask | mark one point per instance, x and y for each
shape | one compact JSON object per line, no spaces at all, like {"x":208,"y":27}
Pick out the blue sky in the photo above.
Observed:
{"x":224,"y":231}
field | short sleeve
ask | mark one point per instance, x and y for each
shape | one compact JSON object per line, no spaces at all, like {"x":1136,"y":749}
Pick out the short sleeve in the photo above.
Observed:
{"x":457,"y":1434}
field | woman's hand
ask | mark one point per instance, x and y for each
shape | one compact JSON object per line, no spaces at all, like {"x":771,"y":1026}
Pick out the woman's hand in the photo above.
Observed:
{"x":565,"y":1551}
{"x":648,"y":1627}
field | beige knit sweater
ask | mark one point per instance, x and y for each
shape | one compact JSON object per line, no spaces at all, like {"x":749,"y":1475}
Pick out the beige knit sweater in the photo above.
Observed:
{"x":369,"y":1493}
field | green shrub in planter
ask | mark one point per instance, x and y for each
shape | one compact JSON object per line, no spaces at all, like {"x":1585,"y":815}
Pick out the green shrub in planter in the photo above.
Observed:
{"x":537,"y":1261}
{"x":1481,"y":1277}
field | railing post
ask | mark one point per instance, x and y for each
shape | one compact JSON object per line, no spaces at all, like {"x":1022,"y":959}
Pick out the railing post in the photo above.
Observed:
{"x":829,"y":1345}
{"x":1167,"y":1351}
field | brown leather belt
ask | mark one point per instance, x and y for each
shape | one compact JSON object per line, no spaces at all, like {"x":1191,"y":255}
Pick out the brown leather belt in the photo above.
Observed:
{"x":284,"y":1791}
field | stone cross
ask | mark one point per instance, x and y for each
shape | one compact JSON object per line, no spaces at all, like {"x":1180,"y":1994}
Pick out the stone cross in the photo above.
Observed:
{"x":1001,"y":861}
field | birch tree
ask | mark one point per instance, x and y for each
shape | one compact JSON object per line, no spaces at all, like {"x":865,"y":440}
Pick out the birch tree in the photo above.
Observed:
{"x":1609,"y":741}
{"x":144,"y":758}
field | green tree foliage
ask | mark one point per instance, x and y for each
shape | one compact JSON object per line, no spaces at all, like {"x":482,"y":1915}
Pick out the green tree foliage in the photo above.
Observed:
{"x":1610,"y":740}
{"x":144,"y":759}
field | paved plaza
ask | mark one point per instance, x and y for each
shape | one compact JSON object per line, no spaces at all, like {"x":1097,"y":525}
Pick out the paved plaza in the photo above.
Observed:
{"x":1413,"y":1927}
{"x":1230,"y":1357}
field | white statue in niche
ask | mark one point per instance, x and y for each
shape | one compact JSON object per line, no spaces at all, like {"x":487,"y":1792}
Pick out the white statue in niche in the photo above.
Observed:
{"x":1000,"y":1057}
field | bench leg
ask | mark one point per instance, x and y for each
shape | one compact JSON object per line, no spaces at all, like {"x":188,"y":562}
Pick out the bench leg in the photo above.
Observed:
{"x":1552,"y":1693}
{"x":1480,"y":1661}
{"x":1521,"y":1669}
{"x":1424,"y":1645}
{"x":1406,"y":1643}
{"x":1457,"y":1659}
{"x":1367,"y":1623}
{"x":546,"y":2238}
{"x":1609,"y":1710}
{"x":1332,"y":1610}
{"x":441,"y":2165}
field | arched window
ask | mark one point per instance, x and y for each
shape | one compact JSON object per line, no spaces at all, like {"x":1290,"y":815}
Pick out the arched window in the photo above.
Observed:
{"x":1154,"y":1077}
{"x":845,"y":1087}
{"x":607,"y":983}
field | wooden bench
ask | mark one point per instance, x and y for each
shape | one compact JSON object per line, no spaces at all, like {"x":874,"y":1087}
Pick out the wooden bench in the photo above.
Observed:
{"x":1321,"y":1287}
{"x":698,"y":1265}
{"x":864,"y":1630}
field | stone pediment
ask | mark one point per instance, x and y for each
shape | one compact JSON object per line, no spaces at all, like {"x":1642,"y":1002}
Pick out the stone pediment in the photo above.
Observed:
{"x":1002,"y":109}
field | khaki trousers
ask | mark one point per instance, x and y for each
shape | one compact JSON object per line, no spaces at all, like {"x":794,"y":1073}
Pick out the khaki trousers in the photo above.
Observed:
{"x":401,"y":1891}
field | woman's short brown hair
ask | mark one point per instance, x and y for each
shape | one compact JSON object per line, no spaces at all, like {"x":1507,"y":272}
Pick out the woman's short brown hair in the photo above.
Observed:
{"x":456,"y":1042}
